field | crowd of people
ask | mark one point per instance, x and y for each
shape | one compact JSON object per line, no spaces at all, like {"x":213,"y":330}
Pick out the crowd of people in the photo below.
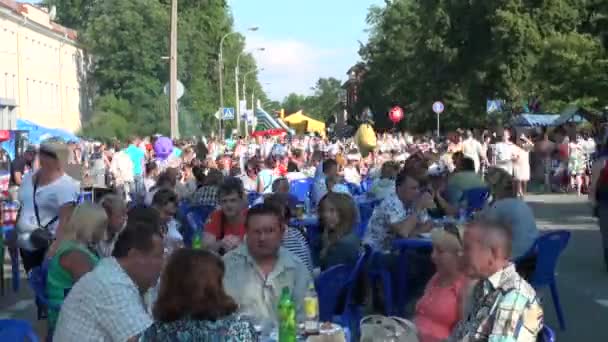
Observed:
{"x":121,"y":269}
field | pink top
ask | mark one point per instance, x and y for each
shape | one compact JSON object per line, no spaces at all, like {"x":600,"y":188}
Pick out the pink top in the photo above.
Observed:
{"x":438,"y":311}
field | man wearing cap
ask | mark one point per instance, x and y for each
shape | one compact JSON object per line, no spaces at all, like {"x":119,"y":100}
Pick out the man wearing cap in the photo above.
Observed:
{"x":22,"y":165}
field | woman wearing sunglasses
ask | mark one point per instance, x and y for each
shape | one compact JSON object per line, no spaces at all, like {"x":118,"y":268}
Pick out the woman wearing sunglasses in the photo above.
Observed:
{"x":442,"y":304}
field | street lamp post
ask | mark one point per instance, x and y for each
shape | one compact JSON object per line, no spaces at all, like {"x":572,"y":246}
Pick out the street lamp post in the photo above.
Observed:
{"x":173,"y":112}
{"x":221,"y":75}
{"x":245,"y":96}
{"x":236,"y":86}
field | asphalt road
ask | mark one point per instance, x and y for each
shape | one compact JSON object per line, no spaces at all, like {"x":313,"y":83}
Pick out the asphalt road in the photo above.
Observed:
{"x":581,"y":276}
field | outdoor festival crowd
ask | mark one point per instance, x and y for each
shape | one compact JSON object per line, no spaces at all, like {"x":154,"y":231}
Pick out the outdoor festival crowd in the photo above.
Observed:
{"x":133,"y":265}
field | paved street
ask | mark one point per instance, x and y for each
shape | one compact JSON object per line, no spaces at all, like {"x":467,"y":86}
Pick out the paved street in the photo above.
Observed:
{"x":582,"y":279}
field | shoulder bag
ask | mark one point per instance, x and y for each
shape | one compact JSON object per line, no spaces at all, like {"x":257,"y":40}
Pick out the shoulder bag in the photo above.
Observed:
{"x":41,"y":237}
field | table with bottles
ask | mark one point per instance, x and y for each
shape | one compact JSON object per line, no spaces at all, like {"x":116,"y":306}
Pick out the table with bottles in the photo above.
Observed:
{"x":287,"y":329}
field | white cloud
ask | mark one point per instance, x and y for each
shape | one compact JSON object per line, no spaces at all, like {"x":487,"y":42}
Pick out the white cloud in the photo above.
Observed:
{"x":294,"y":66}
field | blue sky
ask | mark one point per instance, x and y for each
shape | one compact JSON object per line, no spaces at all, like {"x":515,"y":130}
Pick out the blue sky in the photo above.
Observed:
{"x":304,"y":39}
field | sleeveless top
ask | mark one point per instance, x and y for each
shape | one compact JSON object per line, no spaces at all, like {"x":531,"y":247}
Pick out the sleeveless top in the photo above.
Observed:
{"x":59,"y":280}
{"x":438,"y":311}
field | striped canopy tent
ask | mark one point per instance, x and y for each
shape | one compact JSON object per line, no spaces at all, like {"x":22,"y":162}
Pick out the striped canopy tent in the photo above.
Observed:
{"x":266,"y":121}
{"x":534,"y":120}
{"x":577,"y":115}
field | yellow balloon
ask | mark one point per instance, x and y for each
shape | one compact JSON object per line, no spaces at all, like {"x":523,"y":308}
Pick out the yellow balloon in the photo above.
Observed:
{"x":365,"y":138}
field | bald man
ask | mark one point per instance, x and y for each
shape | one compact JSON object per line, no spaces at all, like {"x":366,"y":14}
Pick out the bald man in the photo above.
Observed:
{"x":503,"y":305}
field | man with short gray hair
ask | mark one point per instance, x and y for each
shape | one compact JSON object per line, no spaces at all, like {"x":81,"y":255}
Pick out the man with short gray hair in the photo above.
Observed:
{"x":504,"y":307}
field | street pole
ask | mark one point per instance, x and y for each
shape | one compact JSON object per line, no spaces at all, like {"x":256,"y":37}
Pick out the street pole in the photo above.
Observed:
{"x":245,"y":99}
{"x":237,"y":71}
{"x":221,"y":75}
{"x":237,"y":108}
{"x":173,"y":74}
{"x":437,"y":125}
{"x":245,"y":93}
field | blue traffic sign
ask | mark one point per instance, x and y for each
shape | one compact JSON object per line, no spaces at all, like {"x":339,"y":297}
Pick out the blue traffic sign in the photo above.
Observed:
{"x":438,"y":107}
{"x":228,"y":114}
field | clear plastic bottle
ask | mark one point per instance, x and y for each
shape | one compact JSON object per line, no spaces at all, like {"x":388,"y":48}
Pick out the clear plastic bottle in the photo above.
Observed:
{"x":311,"y":310}
{"x":287,"y":317}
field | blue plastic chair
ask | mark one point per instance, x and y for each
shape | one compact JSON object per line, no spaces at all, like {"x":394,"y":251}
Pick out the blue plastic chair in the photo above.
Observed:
{"x":252,"y":196}
{"x":85,"y":196}
{"x":17,"y":330}
{"x":475,"y":199}
{"x":547,"y":248}
{"x":301,"y":188}
{"x":355,"y":189}
{"x":365,"y":213}
{"x":383,"y":275}
{"x":196,"y":218}
{"x":546,"y":335}
{"x":366,"y":184}
{"x":403,"y":245}
{"x":332,"y":283}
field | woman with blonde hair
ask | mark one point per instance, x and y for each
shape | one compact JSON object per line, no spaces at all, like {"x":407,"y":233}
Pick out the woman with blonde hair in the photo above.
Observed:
{"x":338,"y":216}
{"x":75,"y":254}
{"x":443,"y":302}
{"x":116,"y":209}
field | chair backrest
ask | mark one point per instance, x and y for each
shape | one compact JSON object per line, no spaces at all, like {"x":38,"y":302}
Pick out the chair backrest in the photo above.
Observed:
{"x":17,"y":330}
{"x":37,"y":280}
{"x":365,"y":213}
{"x":546,"y":335}
{"x":548,"y":247}
{"x":301,"y":188}
{"x":476,"y":198}
{"x":339,"y":281}
{"x":366,"y":184}
{"x":252,"y":196}
{"x":330,"y":285}
{"x":354,"y":189}
{"x":401,"y":289}
{"x":197,"y":216}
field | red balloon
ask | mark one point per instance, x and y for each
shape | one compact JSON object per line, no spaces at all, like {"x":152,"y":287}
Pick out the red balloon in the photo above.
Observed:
{"x":395,"y":114}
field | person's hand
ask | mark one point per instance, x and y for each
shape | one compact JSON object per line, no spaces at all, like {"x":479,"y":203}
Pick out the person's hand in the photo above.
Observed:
{"x":425,"y":227}
{"x":230,"y":242}
{"x":425,"y":201}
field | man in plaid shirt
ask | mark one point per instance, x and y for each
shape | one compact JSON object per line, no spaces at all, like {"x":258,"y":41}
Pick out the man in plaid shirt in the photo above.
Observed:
{"x":504,"y":307}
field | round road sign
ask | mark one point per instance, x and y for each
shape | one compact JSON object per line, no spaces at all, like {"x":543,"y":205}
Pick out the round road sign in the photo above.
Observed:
{"x":438,"y":107}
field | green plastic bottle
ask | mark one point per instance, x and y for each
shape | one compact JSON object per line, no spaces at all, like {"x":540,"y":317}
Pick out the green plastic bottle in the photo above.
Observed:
{"x":287,"y":317}
{"x":197,"y":242}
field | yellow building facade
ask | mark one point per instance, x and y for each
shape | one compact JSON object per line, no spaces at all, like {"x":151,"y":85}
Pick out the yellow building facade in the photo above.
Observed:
{"x":41,"y":69}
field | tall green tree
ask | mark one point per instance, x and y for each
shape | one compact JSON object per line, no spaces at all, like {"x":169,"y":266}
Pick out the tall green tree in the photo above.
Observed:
{"x":323,"y":104}
{"x":465,"y":52}
{"x":127,"y":42}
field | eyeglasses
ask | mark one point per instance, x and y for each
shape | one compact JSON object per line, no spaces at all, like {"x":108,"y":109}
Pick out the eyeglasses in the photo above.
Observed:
{"x":453,"y":229}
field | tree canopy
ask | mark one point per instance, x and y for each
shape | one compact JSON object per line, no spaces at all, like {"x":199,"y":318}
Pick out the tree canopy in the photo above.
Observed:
{"x":465,"y":52}
{"x":126,"y":42}
{"x":323,"y":104}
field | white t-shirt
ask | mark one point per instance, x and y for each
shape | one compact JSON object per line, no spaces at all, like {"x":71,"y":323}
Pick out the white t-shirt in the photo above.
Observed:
{"x":471,"y":148}
{"x":504,"y":156}
{"x":49,"y":198}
